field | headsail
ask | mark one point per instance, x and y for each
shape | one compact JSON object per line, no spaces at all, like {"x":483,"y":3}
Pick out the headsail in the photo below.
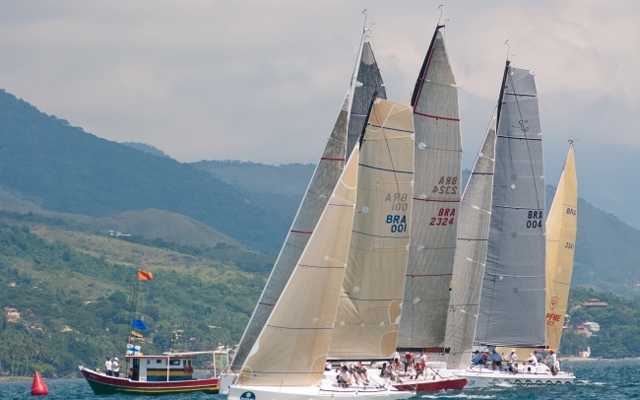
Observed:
{"x":369,"y":311}
{"x":291,"y":349}
{"x":513,"y":290}
{"x":365,"y":81}
{"x":471,"y":253}
{"x":562,"y":224}
{"x":438,"y":168}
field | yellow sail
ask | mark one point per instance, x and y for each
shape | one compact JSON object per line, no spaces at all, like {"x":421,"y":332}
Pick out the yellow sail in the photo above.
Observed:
{"x":562,"y":223}
{"x":369,"y":311}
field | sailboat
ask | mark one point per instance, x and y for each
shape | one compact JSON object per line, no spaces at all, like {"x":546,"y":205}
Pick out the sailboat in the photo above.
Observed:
{"x":438,"y":169}
{"x":365,"y":224}
{"x":365,"y":81}
{"x":511,"y":310}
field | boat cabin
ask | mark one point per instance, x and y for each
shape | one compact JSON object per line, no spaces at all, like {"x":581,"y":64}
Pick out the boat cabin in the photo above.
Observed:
{"x":161,"y":368}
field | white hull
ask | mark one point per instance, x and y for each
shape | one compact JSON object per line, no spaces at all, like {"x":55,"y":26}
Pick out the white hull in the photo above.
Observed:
{"x":485,"y":377}
{"x":227,"y":379}
{"x":313,"y":392}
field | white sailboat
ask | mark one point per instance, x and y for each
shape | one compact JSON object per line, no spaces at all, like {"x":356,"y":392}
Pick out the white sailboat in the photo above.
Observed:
{"x":513,"y":283}
{"x":362,"y":221}
{"x":365,"y":81}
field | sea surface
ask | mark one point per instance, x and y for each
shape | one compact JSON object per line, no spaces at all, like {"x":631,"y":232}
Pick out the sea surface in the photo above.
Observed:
{"x":602,"y":379}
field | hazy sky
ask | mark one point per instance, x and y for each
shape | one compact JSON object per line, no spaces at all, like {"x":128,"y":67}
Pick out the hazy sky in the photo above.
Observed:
{"x":263,"y":81}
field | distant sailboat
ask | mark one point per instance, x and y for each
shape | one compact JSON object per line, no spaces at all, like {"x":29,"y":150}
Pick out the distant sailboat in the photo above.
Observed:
{"x":288,"y":359}
{"x":365,"y":81}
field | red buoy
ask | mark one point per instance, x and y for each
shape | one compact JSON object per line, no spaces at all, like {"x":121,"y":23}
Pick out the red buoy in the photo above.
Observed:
{"x":38,"y":388}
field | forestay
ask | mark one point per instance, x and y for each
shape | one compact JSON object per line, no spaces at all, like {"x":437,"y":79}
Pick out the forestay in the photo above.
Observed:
{"x":512,"y":311}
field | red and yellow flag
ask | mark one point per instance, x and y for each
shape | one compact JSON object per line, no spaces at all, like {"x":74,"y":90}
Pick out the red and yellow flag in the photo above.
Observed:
{"x":144,"y":275}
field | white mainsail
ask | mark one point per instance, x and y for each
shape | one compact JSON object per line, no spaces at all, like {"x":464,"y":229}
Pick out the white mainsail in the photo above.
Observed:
{"x":512,"y":312}
{"x":562,"y":224}
{"x":471,"y":252}
{"x":438,"y":169}
{"x":369,"y":311}
{"x":365,"y":82}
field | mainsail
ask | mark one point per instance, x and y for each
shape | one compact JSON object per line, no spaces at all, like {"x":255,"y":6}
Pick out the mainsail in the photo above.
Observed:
{"x":512,"y":311}
{"x":562,"y":223}
{"x":438,"y":168}
{"x":365,"y":81}
{"x":471,"y":252}
{"x":369,"y":310}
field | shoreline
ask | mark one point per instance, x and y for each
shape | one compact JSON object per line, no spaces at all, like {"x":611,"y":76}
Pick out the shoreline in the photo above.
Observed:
{"x":579,"y":359}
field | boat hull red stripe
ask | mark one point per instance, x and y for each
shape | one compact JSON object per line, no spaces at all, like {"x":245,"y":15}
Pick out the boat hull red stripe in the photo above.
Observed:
{"x":436,"y":116}
{"x":422,"y":386}
{"x":301,"y":232}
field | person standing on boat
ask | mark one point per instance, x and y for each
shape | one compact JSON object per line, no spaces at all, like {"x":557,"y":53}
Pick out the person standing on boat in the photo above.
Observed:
{"x":554,"y":365}
{"x":115,"y":367}
{"x":107,"y":366}
{"x":513,"y":359}
{"x":496,"y":360}
{"x":532,"y":360}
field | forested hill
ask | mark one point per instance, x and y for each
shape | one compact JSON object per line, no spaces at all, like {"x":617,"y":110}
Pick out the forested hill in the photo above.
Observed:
{"x":62,"y":168}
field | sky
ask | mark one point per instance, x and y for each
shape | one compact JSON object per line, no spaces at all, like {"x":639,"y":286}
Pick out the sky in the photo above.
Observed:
{"x":263,"y":81}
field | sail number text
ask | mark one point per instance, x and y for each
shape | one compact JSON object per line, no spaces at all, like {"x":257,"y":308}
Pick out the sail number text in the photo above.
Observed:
{"x":534,"y":219}
{"x":445,"y":217}
{"x":446,"y":185}
{"x":397,"y":223}
{"x":571,"y":211}
{"x":552,"y":319}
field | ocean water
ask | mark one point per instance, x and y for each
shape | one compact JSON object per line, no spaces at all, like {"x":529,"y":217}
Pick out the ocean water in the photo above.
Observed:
{"x":603,"y":379}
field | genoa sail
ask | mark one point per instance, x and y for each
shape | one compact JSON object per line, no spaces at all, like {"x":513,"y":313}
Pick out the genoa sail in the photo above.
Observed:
{"x":368,"y":315}
{"x":512,"y":303}
{"x":291,"y":349}
{"x":438,"y":169}
{"x":365,"y":81}
{"x":562,"y":224}
{"x":471,"y":252}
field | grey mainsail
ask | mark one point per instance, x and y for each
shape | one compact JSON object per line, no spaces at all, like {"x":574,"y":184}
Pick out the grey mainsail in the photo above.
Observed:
{"x":471,"y":252}
{"x":365,"y":81}
{"x":438,"y":169}
{"x":512,"y":303}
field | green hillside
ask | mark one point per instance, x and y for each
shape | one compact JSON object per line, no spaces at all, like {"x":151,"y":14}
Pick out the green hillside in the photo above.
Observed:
{"x":71,"y":289}
{"x":62,"y":168}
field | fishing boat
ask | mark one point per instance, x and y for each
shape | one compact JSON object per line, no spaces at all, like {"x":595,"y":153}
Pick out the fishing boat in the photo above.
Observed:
{"x":364,"y":224}
{"x":169,"y":373}
{"x":511,"y":252}
{"x":438,"y":170}
{"x":365,"y":81}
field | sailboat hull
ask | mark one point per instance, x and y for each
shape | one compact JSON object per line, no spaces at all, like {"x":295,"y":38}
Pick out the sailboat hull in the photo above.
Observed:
{"x":485,"y":377}
{"x":434,"y":385}
{"x":313,"y":392}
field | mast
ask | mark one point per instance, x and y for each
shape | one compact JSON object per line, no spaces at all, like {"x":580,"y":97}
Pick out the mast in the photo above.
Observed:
{"x":438,"y":170}
{"x":512,"y":300}
{"x":365,"y":81}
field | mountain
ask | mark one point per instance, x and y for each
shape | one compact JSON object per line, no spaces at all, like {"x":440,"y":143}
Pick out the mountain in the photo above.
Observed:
{"x":146,"y":148}
{"x":278,"y":187}
{"x":62,"y":168}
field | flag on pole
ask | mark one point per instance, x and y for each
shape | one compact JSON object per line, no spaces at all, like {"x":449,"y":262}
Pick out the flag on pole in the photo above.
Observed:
{"x":136,"y":335}
{"x":144,"y":275}
{"x":139,"y":324}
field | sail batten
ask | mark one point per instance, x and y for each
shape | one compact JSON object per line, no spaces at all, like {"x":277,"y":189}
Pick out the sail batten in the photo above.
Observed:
{"x":364,"y":82}
{"x":438,"y":169}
